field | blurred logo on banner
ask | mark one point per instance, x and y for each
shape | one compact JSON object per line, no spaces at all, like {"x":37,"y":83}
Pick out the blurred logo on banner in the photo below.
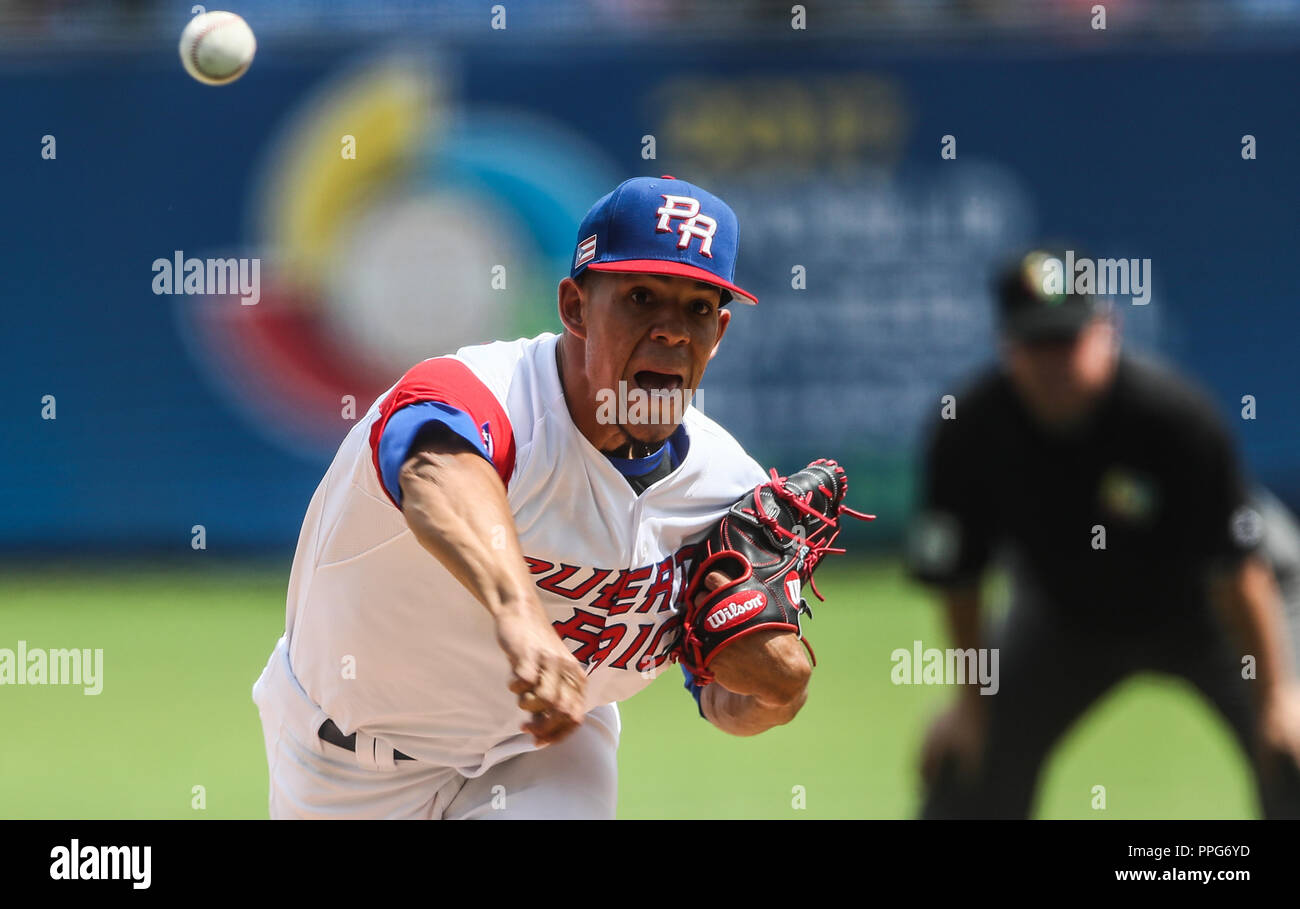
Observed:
{"x":393,"y":225}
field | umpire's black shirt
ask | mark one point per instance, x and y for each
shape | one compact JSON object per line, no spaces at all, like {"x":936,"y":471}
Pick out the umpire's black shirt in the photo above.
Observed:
{"x":1153,"y":467}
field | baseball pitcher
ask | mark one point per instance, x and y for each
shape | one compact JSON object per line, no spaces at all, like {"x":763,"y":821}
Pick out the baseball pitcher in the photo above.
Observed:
{"x":518,"y":536}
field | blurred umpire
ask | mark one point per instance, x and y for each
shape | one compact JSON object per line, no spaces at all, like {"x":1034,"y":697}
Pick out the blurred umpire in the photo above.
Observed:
{"x":1111,"y":492}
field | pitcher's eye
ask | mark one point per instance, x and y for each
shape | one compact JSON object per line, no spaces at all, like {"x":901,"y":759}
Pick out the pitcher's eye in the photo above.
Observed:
{"x":640,"y":296}
{"x":702,"y":306}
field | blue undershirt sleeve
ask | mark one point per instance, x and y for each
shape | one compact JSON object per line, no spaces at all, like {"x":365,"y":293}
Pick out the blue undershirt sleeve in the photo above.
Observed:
{"x":404,"y":425}
{"x":694,"y":689}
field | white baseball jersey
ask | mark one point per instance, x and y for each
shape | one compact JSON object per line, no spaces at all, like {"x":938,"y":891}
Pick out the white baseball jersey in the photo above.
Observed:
{"x":388,"y":643}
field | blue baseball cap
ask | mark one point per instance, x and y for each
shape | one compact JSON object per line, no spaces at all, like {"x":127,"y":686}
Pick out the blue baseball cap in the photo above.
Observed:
{"x":662,"y":226}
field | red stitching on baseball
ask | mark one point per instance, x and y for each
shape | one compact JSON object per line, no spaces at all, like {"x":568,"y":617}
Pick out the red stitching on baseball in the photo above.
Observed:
{"x":198,"y":39}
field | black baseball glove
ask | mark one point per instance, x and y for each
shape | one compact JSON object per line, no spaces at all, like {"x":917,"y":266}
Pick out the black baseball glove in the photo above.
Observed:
{"x":768,"y":544}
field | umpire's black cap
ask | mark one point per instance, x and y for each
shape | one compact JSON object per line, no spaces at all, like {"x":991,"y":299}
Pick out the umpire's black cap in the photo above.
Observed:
{"x":1036,"y":299}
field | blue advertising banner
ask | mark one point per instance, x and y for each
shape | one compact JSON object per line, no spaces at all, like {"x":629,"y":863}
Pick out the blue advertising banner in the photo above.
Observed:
{"x":205,"y":288}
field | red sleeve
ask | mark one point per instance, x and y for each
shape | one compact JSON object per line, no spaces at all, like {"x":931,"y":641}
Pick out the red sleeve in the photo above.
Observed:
{"x":449,"y":381}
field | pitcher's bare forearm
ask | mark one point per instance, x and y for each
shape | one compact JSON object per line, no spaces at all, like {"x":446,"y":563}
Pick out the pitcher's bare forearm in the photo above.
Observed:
{"x":760,"y":681}
{"x":455,"y":504}
{"x":745,"y":714}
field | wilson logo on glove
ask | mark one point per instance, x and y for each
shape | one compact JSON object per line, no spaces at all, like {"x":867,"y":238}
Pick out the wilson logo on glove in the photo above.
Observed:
{"x":734,"y":610}
{"x":793,"y":587}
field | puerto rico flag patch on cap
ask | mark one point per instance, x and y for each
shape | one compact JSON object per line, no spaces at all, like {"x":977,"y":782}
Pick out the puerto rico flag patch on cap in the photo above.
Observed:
{"x":586,"y":252}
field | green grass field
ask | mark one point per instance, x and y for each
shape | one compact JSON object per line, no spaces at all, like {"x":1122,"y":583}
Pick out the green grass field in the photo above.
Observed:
{"x":183,"y":647}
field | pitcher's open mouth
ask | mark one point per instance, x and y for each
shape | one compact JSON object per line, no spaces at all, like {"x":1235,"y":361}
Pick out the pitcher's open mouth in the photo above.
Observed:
{"x":649,"y":380}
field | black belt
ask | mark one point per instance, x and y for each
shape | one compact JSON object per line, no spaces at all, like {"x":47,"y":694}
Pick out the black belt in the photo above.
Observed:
{"x":331,"y":733}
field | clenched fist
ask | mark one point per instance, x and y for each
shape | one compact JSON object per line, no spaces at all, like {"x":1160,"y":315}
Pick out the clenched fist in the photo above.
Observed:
{"x":551,"y":684}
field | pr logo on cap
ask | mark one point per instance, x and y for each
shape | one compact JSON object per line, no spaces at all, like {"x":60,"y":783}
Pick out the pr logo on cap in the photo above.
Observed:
{"x":639,"y":228}
{"x":693,"y":224}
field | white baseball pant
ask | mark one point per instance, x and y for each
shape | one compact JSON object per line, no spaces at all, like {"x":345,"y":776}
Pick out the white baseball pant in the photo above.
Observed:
{"x":576,"y":778}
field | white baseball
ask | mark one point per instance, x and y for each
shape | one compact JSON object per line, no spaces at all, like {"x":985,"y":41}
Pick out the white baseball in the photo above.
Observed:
{"x":217,"y":47}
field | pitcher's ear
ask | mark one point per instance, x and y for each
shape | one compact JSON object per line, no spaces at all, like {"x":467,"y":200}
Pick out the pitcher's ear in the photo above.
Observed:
{"x":572,"y":305}
{"x":724,"y":319}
